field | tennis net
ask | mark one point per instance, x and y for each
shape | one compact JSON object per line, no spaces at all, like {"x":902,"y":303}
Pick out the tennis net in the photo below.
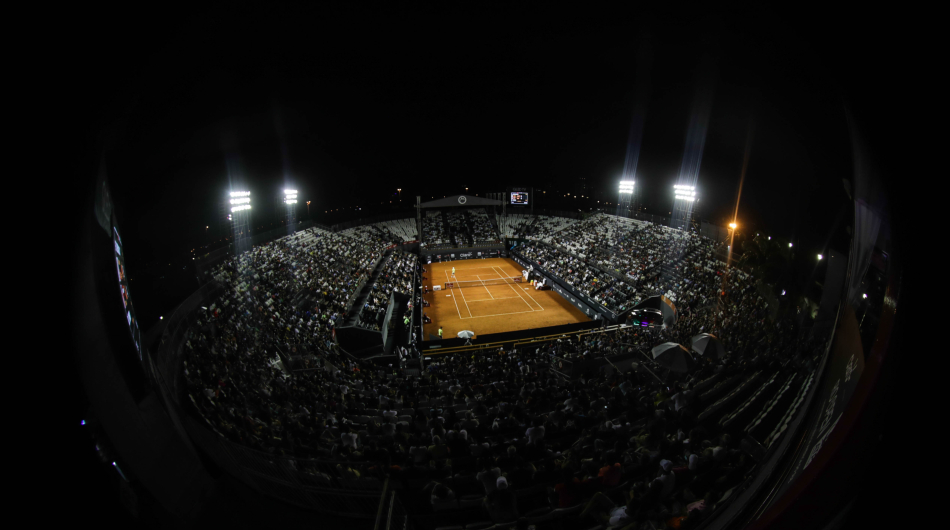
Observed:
{"x":483,"y":283}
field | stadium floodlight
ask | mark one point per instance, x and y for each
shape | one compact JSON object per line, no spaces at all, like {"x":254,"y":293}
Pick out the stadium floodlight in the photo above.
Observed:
{"x":241,"y":207}
{"x":732,"y":225}
{"x":820,"y":257}
{"x":626,"y":186}
{"x":242,"y":200}
{"x":684,"y":192}
{"x":865,"y":295}
{"x":789,"y":245}
{"x":240,"y":194}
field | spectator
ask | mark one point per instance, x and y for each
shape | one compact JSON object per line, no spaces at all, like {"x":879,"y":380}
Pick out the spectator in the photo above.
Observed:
{"x":501,"y":503}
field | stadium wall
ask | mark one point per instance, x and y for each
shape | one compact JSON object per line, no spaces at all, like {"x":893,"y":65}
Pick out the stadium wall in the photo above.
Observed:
{"x":432,"y":347}
{"x":453,"y":254}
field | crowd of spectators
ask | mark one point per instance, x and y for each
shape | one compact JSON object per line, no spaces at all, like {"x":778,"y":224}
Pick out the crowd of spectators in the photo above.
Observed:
{"x":546,"y":227}
{"x":481,"y":227}
{"x":433,"y":230}
{"x":573,"y":270}
{"x":514,"y":224}
{"x":630,"y":260}
{"x":458,"y":228}
{"x":396,"y":275}
{"x":625,"y":448}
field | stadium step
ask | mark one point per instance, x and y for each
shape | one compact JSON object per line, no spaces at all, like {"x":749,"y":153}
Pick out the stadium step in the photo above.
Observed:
{"x":353,"y":312}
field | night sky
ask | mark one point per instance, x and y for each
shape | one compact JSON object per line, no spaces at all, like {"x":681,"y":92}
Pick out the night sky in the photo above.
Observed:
{"x":347,"y":106}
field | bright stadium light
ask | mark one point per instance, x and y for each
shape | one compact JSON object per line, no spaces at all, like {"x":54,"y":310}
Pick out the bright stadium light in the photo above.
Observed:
{"x":820,"y":257}
{"x":243,"y":200}
{"x":732,"y":225}
{"x":626,"y":186}
{"x":684,"y":192}
{"x":865,"y":295}
{"x":240,"y":194}
{"x":241,"y":207}
{"x":789,"y":245}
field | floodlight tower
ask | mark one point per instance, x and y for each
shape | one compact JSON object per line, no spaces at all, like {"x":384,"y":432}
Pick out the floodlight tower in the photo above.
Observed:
{"x":625,"y":197}
{"x":290,"y":205}
{"x":240,"y":202}
{"x":684,"y":197}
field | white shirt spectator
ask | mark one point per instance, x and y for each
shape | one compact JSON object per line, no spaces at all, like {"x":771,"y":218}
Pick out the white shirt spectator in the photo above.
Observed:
{"x":535,"y":434}
{"x":349,"y":439}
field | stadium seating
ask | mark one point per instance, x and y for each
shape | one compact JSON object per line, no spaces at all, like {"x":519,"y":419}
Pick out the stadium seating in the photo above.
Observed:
{"x":467,"y":419}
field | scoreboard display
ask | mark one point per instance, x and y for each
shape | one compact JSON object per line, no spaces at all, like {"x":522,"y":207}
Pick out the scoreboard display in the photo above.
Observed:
{"x":519,"y":198}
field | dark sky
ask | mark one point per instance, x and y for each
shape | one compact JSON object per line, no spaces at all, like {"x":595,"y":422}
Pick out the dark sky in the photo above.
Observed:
{"x":346,"y":106}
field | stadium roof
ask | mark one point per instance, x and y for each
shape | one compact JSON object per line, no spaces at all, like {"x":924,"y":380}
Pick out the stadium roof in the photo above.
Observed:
{"x":460,"y":200}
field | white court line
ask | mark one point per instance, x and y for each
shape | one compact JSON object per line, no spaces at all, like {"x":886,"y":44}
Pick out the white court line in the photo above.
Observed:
{"x":463,"y":298}
{"x":453,"y":297}
{"x":516,"y":292}
{"x":532,"y":298}
{"x":484,"y":286}
{"x":495,"y":298}
{"x":500,"y":314}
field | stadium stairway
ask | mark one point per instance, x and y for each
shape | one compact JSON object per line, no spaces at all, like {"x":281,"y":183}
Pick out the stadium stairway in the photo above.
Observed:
{"x":353,"y":313}
{"x":530,"y":230}
{"x":448,"y":227}
{"x":468,"y":237}
{"x":494,"y":222}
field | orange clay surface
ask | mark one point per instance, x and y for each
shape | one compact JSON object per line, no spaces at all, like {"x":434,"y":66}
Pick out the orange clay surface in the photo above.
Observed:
{"x":492,"y":308}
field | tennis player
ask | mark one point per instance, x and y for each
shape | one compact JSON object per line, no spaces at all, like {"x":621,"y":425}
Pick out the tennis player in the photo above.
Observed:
{"x":453,"y":272}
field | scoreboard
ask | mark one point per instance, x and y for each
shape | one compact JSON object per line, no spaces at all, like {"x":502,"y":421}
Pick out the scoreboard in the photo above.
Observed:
{"x":519,"y":196}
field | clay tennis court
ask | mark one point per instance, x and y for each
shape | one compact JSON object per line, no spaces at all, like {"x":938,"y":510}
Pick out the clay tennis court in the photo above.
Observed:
{"x":483,"y":309}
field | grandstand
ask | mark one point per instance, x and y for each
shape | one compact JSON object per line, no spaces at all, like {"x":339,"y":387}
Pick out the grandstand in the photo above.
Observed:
{"x":435,"y":230}
{"x":294,"y":283}
{"x":566,"y":418}
{"x":403,"y":229}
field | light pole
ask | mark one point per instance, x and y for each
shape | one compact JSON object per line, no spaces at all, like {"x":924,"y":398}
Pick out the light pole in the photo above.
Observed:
{"x":683,"y":204}
{"x":625,"y":195}
{"x":290,"y":200}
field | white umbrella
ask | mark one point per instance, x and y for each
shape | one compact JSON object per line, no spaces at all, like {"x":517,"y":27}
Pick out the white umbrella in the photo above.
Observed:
{"x":466,"y":334}
{"x":673,"y":356}
{"x":708,"y":345}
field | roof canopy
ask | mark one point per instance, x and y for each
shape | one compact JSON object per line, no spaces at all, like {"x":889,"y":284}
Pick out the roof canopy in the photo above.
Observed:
{"x":664,"y":304}
{"x":460,"y":200}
